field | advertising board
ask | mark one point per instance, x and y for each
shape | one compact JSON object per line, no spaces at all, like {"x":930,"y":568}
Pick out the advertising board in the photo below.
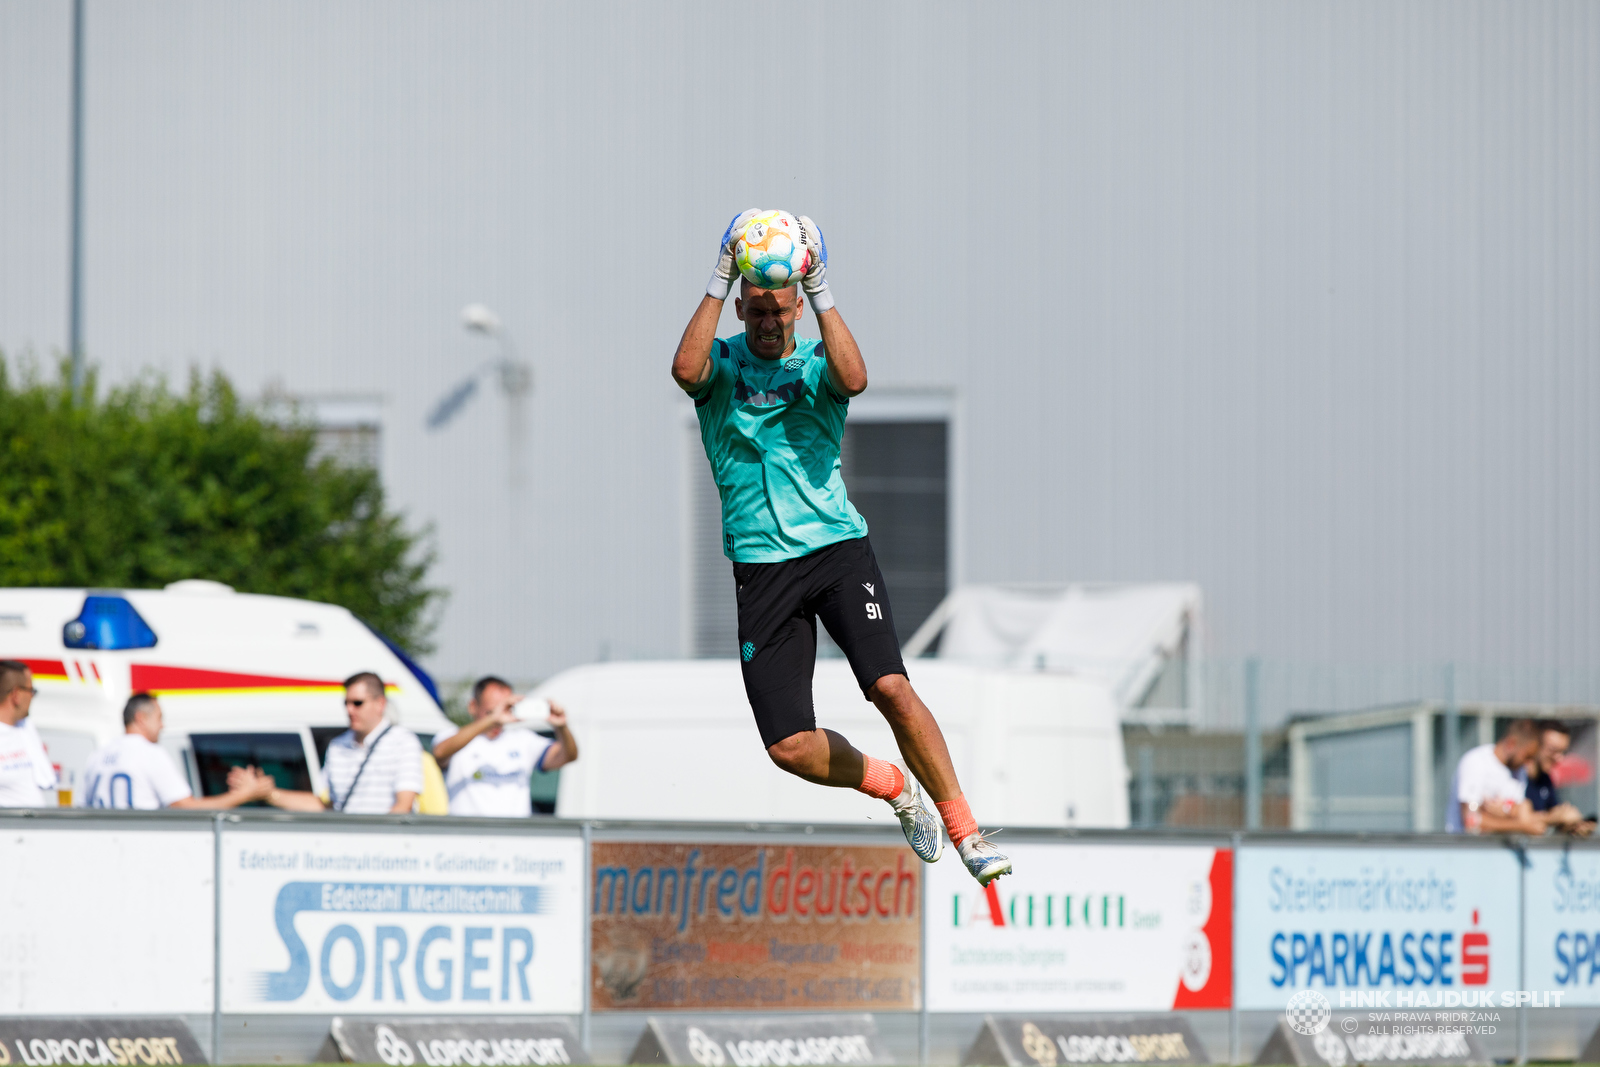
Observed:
{"x":1563,"y":909}
{"x":765,"y":927}
{"x":116,"y":922}
{"x":392,"y":924}
{"x":1083,"y":928}
{"x":1428,"y":921}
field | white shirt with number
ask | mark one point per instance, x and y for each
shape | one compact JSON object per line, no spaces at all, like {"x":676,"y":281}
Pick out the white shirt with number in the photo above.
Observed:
{"x":490,"y":776}
{"x":18,"y":779}
{"x":131,"y":772}
{"x":395,"y":767}
{"x":1481,"y":779}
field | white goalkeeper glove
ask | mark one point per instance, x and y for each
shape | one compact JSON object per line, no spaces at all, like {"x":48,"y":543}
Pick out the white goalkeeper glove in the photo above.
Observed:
{"x":815,"y":282}
{"x":726,"y":271}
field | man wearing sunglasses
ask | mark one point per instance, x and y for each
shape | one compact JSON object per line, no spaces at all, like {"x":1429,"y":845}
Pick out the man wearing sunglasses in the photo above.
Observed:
{"x":19,"y":786}
{"x":373,"y":768}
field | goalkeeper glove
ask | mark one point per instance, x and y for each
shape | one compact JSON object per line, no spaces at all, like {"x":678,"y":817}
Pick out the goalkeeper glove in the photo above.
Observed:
{"x":725,"y":272}
{"x":815,"y":282}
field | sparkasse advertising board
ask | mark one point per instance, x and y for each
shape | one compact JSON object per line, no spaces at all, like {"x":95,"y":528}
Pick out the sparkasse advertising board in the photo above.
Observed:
{"x":1432,"y":921}
{"x":390,"y":923}
{"x":1084,"y":928}
{"x":1563,"y":909}
{"x":770,"y":927}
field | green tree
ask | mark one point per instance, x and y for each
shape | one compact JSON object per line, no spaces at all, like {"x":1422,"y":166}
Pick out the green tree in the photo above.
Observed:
{"x":145,"y":486}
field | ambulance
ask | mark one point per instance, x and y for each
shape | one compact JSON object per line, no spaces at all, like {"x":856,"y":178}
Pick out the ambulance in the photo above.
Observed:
{"x":243,"y":679}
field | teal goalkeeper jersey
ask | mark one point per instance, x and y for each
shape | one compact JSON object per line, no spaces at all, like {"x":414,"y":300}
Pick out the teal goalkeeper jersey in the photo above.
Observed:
{"x":771,"y":429}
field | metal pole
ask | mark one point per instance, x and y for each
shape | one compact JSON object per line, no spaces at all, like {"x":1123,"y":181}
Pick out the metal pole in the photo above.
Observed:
{"x":1147,"y":785}
{"x":1233,"y":988}
{"x":588,"y":934}
{"x":216,"y":937}
{"x":1252,"y":743}
{"x":1452,"y":735}
{"x":1522,"y":956}
{"x":922,"y":957}
{"x":75,"y":280}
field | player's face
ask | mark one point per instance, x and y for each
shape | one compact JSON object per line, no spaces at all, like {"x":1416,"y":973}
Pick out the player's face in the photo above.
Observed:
{"x":1554,"y":748}
{"x":769,"y":317}
{"x":493,"y":699}
{"x":364,"y":707}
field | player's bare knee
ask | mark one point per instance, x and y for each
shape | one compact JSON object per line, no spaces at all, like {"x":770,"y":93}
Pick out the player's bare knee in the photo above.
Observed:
{"x":892,"y":691}
{"x":791,"y":753}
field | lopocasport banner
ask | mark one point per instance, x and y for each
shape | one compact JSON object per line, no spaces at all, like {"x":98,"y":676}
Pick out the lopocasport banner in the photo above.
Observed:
{"x":401,"y":924}
{"x":148,"y":1042}
{"x":1089,"y":928}
{"x":766,"y":927}
{"x":454,"y":1041}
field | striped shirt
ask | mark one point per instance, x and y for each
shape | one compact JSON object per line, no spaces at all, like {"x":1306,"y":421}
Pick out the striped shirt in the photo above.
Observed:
{"x":394,"y":766}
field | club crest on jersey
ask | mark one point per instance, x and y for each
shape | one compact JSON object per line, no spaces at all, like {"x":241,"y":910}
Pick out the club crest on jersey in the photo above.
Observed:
{"x":747,"y":650}
{"x":793,"y":363}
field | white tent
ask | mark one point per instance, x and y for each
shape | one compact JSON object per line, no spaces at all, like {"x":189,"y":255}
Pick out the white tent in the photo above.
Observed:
{"x":677,"y":740}
{"x":1124,"y":636}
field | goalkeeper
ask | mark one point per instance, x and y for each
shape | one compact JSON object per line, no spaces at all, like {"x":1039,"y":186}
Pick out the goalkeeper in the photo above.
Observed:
{"x":772,"y":408}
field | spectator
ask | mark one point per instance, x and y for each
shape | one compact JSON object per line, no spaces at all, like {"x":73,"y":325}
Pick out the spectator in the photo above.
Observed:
{"x":1486,"y":795}
{"x":487,"y":766}
{"x":1540,"y":786}
{"x":133,"y":772}
{"x":19,"y":787}
{"x":372,"y":768}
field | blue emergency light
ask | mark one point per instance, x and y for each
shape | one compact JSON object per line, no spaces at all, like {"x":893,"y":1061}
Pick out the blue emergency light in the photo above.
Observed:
{"x":107,"y":622}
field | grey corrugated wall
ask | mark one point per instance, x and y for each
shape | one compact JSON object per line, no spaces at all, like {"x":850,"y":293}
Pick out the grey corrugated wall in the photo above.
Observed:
{"x":1294,"y":300}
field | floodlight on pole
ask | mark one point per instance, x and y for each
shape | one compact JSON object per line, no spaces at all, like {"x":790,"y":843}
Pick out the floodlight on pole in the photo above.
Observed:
{"x":516,"y":377}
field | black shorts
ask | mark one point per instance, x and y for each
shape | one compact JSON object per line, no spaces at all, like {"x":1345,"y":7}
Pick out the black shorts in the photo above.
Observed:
{"x":779,"y":604}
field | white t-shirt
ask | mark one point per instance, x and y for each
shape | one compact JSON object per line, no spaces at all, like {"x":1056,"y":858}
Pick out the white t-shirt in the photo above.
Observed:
{"x":1481,"y":778}
{"x":395,"y":767}
{"x":130,"y":772}
{"x":18,"y":779}
{"x":490,"y":777}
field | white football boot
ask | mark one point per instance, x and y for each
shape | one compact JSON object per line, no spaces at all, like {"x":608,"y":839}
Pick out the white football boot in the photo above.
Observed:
{"x":921,"y":826}
{"x":982,"y":859}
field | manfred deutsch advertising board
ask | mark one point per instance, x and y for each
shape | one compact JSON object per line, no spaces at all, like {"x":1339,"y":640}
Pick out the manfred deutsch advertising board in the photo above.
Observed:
{"x":1437,"y":925}
{"x":389,"y":923}
{"x":1083,"y":928}
{"x":765,"y":927}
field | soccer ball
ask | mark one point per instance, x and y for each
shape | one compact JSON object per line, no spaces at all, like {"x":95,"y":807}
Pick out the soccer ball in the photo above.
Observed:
{"x":771,"y":254}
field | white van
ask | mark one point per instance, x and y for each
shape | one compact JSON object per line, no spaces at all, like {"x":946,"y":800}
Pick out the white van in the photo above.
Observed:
{"x":243,"y":679}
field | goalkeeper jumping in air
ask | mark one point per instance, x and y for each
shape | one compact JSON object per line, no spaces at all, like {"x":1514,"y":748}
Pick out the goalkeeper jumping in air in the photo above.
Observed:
{"x":772,"y":410}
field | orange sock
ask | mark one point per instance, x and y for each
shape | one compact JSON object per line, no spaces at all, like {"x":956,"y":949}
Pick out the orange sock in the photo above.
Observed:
{"x":883,"y":779}
{"x":958,"y":820}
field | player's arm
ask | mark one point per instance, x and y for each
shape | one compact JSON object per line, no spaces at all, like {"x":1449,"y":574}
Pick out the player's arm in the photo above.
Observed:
{"x":446,"y":747}
{"x":245,"y":792}
{"x":564,"y":749}
{"x":847,"y":371}
{"x":691,"y":364}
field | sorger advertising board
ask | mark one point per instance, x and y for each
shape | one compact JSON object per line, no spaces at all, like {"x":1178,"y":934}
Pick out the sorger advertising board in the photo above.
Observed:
{"x":384,"y":923}
{"x":1427,"y":921}
{"x":765,"y":927}
{"x":1083,"y":928}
